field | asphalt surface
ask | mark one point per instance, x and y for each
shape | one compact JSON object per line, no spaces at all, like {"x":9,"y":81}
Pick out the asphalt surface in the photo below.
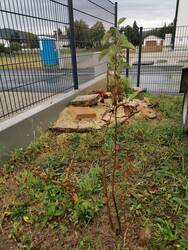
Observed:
{"x":161,"y":79}
{"x":20,"y":89}
{"x":154,"y":78}
{"x":32,"y":80}
{"x":23,"y":88}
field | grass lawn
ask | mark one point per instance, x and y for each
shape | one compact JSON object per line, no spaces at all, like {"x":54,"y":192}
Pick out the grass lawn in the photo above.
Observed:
{"x":20,"y":61}
{"x":32,"y":60}
{"x":52,"y":194}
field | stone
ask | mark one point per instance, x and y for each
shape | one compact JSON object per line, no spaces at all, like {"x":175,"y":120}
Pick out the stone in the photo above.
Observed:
{"x":139,"y":89}
{"x":133,"y":103}
{"x":80,"y":113}
{"x":85,"y":100}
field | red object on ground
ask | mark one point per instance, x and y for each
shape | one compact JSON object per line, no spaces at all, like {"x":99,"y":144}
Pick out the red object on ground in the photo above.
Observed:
{"x":102,"y":93}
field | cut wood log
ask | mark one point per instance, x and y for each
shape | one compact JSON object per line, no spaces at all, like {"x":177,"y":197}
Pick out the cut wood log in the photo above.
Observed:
{"x":80,"y":113}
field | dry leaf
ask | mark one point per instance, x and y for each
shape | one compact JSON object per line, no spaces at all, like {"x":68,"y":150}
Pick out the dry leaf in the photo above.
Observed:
{"x":126,"y":176}
{"x":129,"y":158}
{"x":131,"y":170}
{"x":118,"y":166}
{"x":75,"y":197}
{"x":145,"y":235}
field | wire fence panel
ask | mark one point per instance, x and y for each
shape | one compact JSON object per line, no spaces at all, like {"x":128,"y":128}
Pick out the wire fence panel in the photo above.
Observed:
{"x":35,"y":58}
{"x":40,"y":57}
{"x":92,"y":19}
{"x":37,"y":50}
{"x":164,"y":53}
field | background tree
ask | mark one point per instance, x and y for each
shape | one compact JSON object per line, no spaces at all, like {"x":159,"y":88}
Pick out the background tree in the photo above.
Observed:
{"x":132,"y":33}
{"x":82,"y":33}
{"x":32,"y":41}
{"x":2,"y":48}
{"x":135,"y":37}
{"x":58,"y":33}
{"x":160,"y":32}
{"x":15,"y":47}
{"x":97,"y":32}
{"x":15,"y":37}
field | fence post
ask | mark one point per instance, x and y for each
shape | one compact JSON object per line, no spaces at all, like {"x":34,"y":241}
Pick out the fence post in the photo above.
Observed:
{"x":116,"y":14}
{"x":127,"y":58}
{"x":139,"y":56}
{"x":72,"y":44}
{"x":175,"y":24}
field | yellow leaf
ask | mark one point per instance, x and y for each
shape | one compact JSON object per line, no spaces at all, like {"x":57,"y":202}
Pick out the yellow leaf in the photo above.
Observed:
{"x":26,"y":219}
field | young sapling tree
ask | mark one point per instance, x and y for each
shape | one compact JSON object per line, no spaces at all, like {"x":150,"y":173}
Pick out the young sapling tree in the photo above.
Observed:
{"x":115,"y":45}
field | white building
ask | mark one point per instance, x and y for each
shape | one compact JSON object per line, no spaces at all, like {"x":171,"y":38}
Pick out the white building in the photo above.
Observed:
{"x":181,"y":19}
{"x":153,"y":41}
{"x":5,"y":42}
{"x":168,"y":40}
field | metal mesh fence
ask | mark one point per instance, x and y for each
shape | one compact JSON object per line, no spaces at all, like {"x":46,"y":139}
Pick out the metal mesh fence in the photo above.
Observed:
{"x":163,"y":55}
{"x":36,"y":48}
{"x":95,"y":17}
{"x":32,"y":68}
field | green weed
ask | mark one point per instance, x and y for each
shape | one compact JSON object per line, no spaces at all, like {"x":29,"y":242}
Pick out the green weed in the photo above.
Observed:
{"x":29,"y":153}
{"x":55,"y":165}
{"x":171,"y":235}
{"x":89,"y":183}
{"x":85,"y":243}
{"x":170,"y":106}
{"x":18,"y":211}
{"x":157,"y":188}
{"x":86,"y":209}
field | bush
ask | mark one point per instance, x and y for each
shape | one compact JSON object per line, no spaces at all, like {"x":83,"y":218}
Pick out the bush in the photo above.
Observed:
{"x":2,"y":48}
{"x":14,"y":46}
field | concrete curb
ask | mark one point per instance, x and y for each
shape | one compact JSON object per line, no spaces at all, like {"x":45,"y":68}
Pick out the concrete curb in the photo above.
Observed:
{"x":20,"y":130}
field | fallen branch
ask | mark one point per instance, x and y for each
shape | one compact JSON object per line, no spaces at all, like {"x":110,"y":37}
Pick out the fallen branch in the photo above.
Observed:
{"x":111,"y":110}
{"x":125,"y":236}
{"x":70,"y":130}
{"x":132,"y":112}
{"x":125,"y":120}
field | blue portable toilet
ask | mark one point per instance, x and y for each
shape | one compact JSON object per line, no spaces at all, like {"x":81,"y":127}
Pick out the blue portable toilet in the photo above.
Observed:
{"x":48,"y":51}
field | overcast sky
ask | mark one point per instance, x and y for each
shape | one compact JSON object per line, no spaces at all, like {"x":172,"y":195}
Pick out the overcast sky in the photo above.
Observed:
{"x":147,"y":13}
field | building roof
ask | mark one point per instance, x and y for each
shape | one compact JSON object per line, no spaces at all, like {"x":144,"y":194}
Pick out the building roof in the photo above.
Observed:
{"x":153,"y":38}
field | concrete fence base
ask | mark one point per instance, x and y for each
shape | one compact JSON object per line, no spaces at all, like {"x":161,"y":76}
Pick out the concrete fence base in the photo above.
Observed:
{"x":22,"y":129}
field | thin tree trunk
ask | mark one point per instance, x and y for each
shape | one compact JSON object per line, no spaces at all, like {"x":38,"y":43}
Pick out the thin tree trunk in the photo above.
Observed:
{"x":113,"y":172}
{"x":108,"y":80}
{"x":106,"y":195}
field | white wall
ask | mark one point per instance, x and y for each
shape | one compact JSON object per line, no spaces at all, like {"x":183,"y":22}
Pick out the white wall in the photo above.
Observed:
{"x":183,"y":13}
{"x":181,"y":39}
{"x":168,"y":40}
